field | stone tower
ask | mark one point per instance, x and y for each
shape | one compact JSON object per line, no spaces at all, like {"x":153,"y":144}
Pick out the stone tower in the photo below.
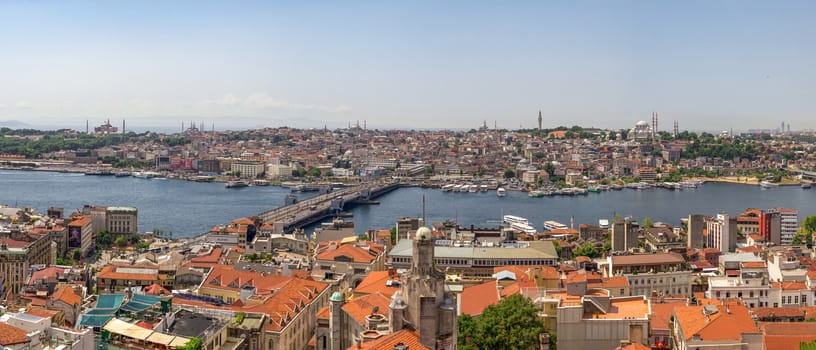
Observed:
{"x":336,"y":328}
{"x":539,"y":120}
{"x":422,"y":301}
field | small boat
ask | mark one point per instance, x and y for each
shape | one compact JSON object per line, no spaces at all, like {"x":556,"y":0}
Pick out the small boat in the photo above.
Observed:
{"x":447,"y":188}
{"x":122,"y":174}
{"x":501,"y":192}
{"x":535,"y":194}
{"x":616,"y":187}
{"x":237,"y":184}
{"x":765,"y":184}
{"x":482,"y":188}
{"x":594,"y":190}
{"x":260,"y":182}
{"x":806,"y":185}
{"x":203,"y":178}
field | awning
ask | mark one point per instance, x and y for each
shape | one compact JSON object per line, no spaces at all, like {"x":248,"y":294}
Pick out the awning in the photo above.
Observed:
{"x":161,"y":338}
{"x":179,"y":341}
{"x":129,"y":330}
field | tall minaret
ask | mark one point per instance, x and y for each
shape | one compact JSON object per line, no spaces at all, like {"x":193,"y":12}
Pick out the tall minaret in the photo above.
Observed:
{"x":539,"y":120}
{"x":676,"y":129}
{"x":87,"y":127}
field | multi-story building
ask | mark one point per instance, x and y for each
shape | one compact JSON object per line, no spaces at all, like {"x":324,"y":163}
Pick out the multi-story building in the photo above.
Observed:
{"x":477,"y":261}
{"x":597,"y":321}
{"x":769,"y":226}
{"x":748,"y":221}
{"x":721,"y":327}
{"x":789,"y":224}
{"x":247,"y":168}
{"x":751,"y":285}
{"x":722,"y":233}
{"x":114,"y":278}
{"x":353,"y":258}
{"x":81,"y":235}
{"x":16,"y":258}
{"x":122,"y":220}
{"x":694,"y":233}
{"x":664,"y":273}
{"x":278,"y":171}
{"x":624,"y":235}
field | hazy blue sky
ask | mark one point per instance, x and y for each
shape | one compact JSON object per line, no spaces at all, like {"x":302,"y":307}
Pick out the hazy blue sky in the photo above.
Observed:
{"x":708,"y":64}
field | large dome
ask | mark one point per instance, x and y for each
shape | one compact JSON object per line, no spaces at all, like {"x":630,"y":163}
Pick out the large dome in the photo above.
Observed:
{"x":423,"y":233}
{"x":642,"y":123}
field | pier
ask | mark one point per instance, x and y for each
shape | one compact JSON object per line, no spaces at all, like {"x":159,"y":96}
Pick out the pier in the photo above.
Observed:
{"x":293,"y":216}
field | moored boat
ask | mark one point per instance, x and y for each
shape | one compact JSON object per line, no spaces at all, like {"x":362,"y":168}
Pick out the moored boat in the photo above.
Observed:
{"x":236,"y":184}
{"x":501,"y":192}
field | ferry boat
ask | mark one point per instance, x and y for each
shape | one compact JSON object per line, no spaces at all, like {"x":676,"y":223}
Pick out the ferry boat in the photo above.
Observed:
{"x":203,"y":178}
{"x":765,"y":184}
{"x":552,"y":225}
{"x":501,"y":192}
{"x":523,"y":228}
{"x":511,"y":219}
{"x":143,"y":174}
{"x":260,"y":182}
{"x":237,"y":184}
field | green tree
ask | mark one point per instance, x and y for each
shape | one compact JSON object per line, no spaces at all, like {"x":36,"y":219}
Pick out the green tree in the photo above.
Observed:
{"x":588,"y":250}
{"x":511,"y":324}
{"x":77,"y":255}
{"x":509,"y":173}
{"x":809,"y":225}
{"x":195,"y":343}
{"x":647,"y":222}
{"x":121,"y":241}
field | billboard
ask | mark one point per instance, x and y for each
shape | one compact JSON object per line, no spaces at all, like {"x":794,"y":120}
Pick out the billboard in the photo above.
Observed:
{"x":74,"y":236}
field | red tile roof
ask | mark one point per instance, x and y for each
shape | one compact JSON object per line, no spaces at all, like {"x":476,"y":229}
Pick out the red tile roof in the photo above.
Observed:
{"x":407,"y":337}
{"x":360,"y":307}
{"x":375,"y":282}
{"x":66,"y":294}
{"x":329,"y":251}
{"x":10,"y":335}
{"x":722,"y":325}
{"x":475,"y":299}
{"x":80,"y":221}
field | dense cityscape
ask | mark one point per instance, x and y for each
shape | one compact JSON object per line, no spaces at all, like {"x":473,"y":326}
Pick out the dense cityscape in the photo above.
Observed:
{"x":91,"y":277}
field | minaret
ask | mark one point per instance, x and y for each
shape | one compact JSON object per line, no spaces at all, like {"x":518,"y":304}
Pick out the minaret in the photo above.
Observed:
{"x":676,"y":129}
{"x":539,"y":120}
{"x":87,"y":127}
{"x":656,"y":126}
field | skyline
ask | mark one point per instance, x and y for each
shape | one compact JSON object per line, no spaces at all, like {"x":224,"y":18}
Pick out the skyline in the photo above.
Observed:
{"x":726,"y":65}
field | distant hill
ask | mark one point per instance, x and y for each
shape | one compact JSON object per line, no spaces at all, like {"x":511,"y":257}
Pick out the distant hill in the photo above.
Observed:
{"x":13,"y":124}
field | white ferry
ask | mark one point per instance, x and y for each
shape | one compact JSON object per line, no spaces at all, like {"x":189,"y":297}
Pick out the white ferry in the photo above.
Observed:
{"x":511,"y":219}
{"x":523,"y":228}
{"x":552,"y":225}
{"x":237,"y":184}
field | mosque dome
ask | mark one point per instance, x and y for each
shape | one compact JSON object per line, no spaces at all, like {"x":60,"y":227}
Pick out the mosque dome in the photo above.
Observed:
{"x":642,"y":123}
{"x":336,"y":296}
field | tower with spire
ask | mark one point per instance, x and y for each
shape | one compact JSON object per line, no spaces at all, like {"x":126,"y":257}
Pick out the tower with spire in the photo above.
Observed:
{"x":539,"y":120}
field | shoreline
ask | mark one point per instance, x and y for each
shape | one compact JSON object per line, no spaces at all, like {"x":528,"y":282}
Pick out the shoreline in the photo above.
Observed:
{"x":753,"y":181}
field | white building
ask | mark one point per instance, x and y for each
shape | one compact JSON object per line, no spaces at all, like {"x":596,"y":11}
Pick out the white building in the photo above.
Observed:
{"x":248,"y":169}
{"x":790,"y":224}
{"x":277,"y":171}
{"x":722,"y":233}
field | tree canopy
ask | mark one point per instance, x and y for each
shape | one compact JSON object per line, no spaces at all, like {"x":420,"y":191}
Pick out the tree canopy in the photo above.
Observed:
{"x":512,"y":324}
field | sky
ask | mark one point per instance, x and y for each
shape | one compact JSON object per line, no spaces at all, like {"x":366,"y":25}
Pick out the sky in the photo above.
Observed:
{"x":709,"y":65}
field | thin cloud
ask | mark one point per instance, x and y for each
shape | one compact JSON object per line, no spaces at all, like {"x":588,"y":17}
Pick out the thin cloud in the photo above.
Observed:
{"x":263,"y":101}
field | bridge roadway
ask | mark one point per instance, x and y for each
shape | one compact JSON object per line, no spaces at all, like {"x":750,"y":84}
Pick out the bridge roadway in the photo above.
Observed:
{"x":289,"y":217}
